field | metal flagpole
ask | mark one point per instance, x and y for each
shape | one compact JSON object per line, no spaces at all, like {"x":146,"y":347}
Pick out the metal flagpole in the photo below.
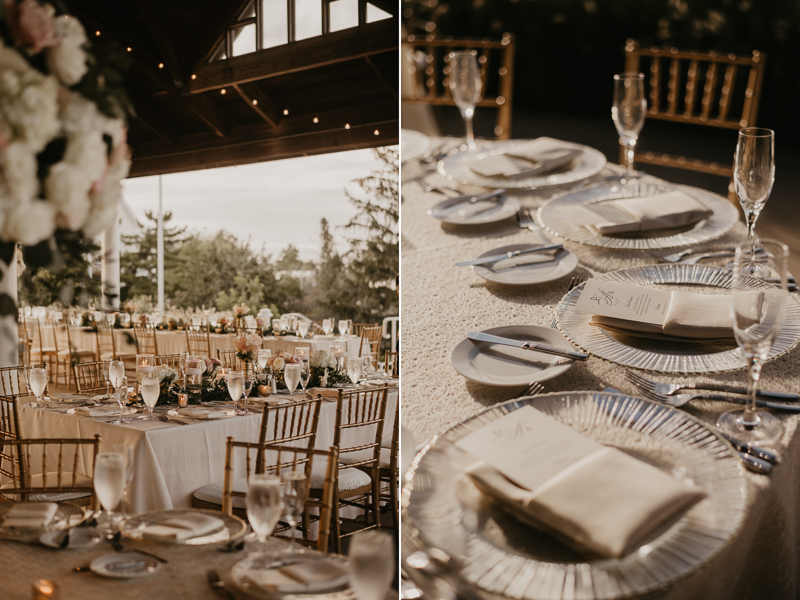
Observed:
{"x":160,"y":251}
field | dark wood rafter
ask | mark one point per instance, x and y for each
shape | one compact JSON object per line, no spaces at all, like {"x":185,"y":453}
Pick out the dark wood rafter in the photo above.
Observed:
{"x":155,"y":121}
{"x":259,"y":102}
{"x":383,"y":73}
{"x":220,"y":30}
{"x":332,"y":48}
{"x":164,"y":45}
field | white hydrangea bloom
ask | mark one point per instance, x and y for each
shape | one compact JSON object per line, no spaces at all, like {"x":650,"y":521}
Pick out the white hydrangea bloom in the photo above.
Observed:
{"x":28,"y":105}
{"x":18,"y":164}
{"x":67,"y":59}
{"x":87,"y":152}
{"x":68,"y":189}
{"x":29,"y":222}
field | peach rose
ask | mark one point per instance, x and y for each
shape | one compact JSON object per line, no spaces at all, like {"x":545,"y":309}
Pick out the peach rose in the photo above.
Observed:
{"x":31,"y":24}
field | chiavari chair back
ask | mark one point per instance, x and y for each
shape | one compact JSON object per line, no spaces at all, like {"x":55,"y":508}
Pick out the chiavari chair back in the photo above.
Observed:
{"x":198,"y":341}
{"x":38,"y":352}
{"x":23,"y":344}
{"x":371,"y":339}
{"x":171,"y":360}
{"x":67,"y":353}
{"x":287,"y":458}
{"x":392,"y":364}
{"x":47,"y":470}
{"x":698,"y":88}
{"x":12,"y":380}
{"x":89,"y":377}
{"x":9,"y":430}
{"x":431,"y":74}
{"x":228,"y":359}
{"x":146,"y":340}
{"x":316,"y":328}
{"x":106,"y":345}
{"x":358,"y":328}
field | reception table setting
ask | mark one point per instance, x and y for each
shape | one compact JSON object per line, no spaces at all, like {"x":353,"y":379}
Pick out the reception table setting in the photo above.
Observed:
{"x":641,"y":320}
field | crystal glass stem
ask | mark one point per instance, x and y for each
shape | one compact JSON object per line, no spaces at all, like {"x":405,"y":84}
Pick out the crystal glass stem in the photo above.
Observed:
{"x":750,"y":418}
{"x":630,"y":147}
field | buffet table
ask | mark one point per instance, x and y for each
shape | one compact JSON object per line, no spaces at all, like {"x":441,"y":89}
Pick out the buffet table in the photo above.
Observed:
{"x":443,"y":302}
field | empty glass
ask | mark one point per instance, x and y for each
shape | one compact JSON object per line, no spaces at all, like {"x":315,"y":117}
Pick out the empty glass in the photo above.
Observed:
{"x":465,"y":86}
{"x":121,"y":393}
{"x":628,"y":112}
{"x":291,"y":376}
{"x":151,"y":389}
{"x":295,"y":491}
{"x":757,"y":315}
{"x":246,"y":388}
{"x":263,"y":504}
{"x":754,"y":172}
{"x":372,"y":564}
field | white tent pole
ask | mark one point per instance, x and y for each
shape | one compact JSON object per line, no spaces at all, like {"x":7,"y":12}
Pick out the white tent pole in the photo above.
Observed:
{"x":160,"y":251}
{"x":110,"y":266}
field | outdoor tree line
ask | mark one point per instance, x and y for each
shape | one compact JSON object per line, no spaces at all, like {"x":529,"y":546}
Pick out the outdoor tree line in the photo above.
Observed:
{"x":220,"y":271}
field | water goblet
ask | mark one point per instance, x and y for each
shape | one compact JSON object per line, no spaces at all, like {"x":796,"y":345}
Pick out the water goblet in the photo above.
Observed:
{"x":302,"y":328}
{"x":465,"y":86}
{"x":110,"y":475}
{"x":754,"y":172}
{"x":235,"y":381}
{"x":372,"y":564}
{"x":354,"y":366}
{"x":291,"y":376}
{"x":151,"y":389}
{"x":38,"y":383}
{"x":327,"y":326}
{"x":342,"y":326}
{"x":295,"y":491}
{"x":263,"y":504}
{"x":628,"y":112}
{"x":757,"y":314}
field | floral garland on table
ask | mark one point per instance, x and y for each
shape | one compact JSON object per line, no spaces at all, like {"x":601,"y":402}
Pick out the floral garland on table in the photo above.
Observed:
{"x":63,"y":150}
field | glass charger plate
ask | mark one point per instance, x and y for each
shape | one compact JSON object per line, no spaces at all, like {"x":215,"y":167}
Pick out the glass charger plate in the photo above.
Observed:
{"x":556,"y":217}
{"x":508,"y":560}
{"x":456,"y":166}
{"x":234,"y":527}
{"x":66,"y":516}
{"x":413,"y":144}
{"x":661,"y":356}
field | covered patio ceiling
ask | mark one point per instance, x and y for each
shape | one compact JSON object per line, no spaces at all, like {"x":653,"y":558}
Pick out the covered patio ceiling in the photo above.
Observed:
{"x":331,"y":92}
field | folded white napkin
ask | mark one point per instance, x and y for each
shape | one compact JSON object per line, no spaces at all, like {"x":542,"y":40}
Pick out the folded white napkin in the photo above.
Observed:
{"x":606,"y":504}
{"x":108,"y":410}
{"x":690,"y":317}
{"x":662,"y":211}
{"x":30,"y":515}
{"x":182,"y":528}
{"x":538,"y":157}
{"x":304,"y":573}
{"x":200,"y":412}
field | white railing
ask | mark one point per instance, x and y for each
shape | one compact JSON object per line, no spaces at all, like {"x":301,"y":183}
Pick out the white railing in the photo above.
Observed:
{"x":393,"y":322}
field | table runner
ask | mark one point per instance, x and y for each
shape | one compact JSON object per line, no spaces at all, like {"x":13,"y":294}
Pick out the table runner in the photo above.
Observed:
{"x":441,"y":303}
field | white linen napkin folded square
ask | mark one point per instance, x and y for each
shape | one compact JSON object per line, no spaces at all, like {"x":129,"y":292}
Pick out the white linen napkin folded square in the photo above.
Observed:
{"x":109,"y":410}
{"x":606,"y":504}
{"x":690,"y":317}
{"x":306,"y":572}
{"x":652,"y":213}
{"x":538,"y":157}
{"x":200,"y":412}
{"x":30,"y":515}
{"x":182,"y":528}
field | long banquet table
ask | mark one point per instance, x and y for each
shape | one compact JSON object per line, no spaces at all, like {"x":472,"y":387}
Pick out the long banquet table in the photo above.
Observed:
{"x":172,"y":460}
{"x":441,"y":303}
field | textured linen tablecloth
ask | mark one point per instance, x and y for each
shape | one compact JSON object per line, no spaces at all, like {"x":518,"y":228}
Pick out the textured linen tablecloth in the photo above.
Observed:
{"x":171,"y":461}
{"x":441,"y":303}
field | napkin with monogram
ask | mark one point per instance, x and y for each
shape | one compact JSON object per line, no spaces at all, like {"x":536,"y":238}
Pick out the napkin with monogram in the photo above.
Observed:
{"x":596,"y":499}
{"x":537,"y":157}
{"x":662,"y":211}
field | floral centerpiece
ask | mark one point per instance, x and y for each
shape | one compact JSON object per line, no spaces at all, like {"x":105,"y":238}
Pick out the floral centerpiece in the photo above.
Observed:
{"x":166,"y":376}
{"x":246,"y":346}
{"x":239,"y":311}
{"x":323,"y":370}
{"x":278,"y":364}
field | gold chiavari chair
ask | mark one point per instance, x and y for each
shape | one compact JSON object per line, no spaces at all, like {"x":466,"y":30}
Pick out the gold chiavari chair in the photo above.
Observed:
{"x":12,"y":380}
{"x":106,"y":346}
{"x":357,"y":471}
{"x":23,"y":344}
{"x":392,"y":363}
{"x":371,"y":336}
{"x":389,"y":472}
{"x":287,"y":458}
{"x":228,"y":359}
{"x":39,"y":353}
{"x":358,"y":328}
{"x":146,"y":340}
{"x":698,"y":88}
{"x":432,"y":74}
{"x":89,"y":377}
{"x":46,"y":470}
{"x":9,"y":423}
{"x":198,"y":341}
{"x":171,"y":360}
{"x":66,"y":353}
{"x":316,"y":328}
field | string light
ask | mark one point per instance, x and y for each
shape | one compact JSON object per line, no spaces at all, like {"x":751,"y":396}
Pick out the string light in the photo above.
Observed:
{"x":316,"y":119}
{"x":255,"y":102}
{"x":376,"y":132}
{"x":347,"y":125}
{"x":97,"y":33}
{"x":160,"y":65}
{"x":223,"y":92}
{"x":194,"y":76}
{"x":129,"y":48}
{"x":285,"y":111}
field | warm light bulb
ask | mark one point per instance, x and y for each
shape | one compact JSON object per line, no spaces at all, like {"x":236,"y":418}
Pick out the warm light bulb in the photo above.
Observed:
{"x":316,"y":120}
{"x":222,"y":91}
{"x":376,"y":132}
{"x":97,"y":33}
{"x":194,"y":76}
{"x":160,"y":65}
{"x":255,"y":102}
{"x":129,"y":48}
{"x":285,"y":111}
{"x":347,"y":125}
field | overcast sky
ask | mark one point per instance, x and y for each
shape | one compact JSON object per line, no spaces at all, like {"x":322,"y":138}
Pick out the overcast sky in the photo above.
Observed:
{"x":272,"y":204}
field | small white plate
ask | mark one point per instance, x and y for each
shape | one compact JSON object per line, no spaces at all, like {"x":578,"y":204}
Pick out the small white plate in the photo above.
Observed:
{"x":499,"y":210}
{"x":413,"y":144}
{"x":506,"y":366}
{"x":247,"y":573}
{"x":528,"y":268}
{"x":79,"y":537}
{"x":141,"y":565}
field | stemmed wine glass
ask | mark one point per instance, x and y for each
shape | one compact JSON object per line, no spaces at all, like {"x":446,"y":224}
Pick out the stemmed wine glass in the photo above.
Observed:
{"x":246,"y":389}
{"x":262,"y":360}
{"x":342,"y":326}
{"x":116,"y":375}
{"x":327,"y":326}
{"x":302,"y":329}
{"x":628,"y":112}
{"x":305,"y":375}
{"x":291,"y":376}
{"x":354,"y":366}
{"x":295,"y":491}
{"x":263,"y":504}
{"x":109,"y":480}
{"x":372,"y":564}
{"x":38,"y":382}
{"x":151,"y":388}
{"x":754,"y":172}
{"x":235,"y":381}
{"x":757,"y":315}
{"x":106,"y":367}
{"x":465,"y":86}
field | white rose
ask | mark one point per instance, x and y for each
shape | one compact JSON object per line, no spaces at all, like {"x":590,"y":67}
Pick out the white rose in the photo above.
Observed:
{"x":67,"y":59}
{"x":278,"y":363}
{"x":28,"y":106}
{"x":87,"y":152}
{"x":19,"y":167}
{"x":30,"y":223}
{"x":68,"y":189}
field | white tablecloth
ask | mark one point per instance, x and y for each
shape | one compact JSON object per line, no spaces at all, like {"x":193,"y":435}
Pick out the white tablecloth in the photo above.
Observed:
{"x":171,"y":460}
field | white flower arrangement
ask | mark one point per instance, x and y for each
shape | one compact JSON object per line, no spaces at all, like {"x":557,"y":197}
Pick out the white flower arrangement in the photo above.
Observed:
{"x":165,"y":373}
{"x":322,"y":360}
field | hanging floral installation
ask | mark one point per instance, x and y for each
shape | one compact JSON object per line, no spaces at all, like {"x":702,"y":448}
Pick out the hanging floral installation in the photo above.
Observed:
{"x":63,"y":150}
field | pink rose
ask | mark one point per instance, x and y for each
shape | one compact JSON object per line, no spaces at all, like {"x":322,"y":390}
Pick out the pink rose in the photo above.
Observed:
{"x":31,"y":24}
{"x":211,"y":363}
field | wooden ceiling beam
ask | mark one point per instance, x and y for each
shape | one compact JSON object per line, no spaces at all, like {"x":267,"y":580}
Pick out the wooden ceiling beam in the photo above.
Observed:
{"x":259,"y":102}
{"x":163,"y":43}
{"x":270,"y":149}
{"x":331,"y":48}
{"x":385,"y":72}
{"x":154,"y":121}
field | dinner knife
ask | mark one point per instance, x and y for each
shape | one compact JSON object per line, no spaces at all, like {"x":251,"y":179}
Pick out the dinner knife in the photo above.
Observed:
{"x":460,"y":202}
{"x":497,"y":257}
{"x":538,"y":346}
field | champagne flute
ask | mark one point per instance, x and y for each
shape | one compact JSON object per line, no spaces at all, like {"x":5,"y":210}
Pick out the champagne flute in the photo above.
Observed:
{"x":327,"y":326}
{"x":754,"y":172}
{"x":305,"y":375}
{"x":291,"y":376}
{"x":235,"y":381}
{"x":116,"y":373}
{"x":263,"y":504}
{"x":465,"y":86}
{"x":145,"y":364}
{"x":342,"y":326}
{"x":246,"y":388}
{"x":295,"y":491}
{"x":757,"y":315}
{"x":106,"y":367}
{"x":121,"y":393}
{"x":372,"y":564}
{"x":38,"y":383}
{"x":151,"y":388}
{"x":109,"y":485}
{"x":354,"y":366}
{"x":628,"y":112}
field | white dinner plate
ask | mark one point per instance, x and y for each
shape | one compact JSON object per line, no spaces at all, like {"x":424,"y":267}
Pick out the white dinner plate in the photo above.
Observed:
{"x":413,"y":144}
{"x":233,"y":527}
{"x":66,"y":516}
{"x":203,"y":412}
{"x":506,"y":366}
{"x":259,"y":573}
{"x":457,"y":166}
{"x":79,"y":538}
{"x":528,"y":268}
{"x":125,"y":565}
{"x":491,"y":211}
